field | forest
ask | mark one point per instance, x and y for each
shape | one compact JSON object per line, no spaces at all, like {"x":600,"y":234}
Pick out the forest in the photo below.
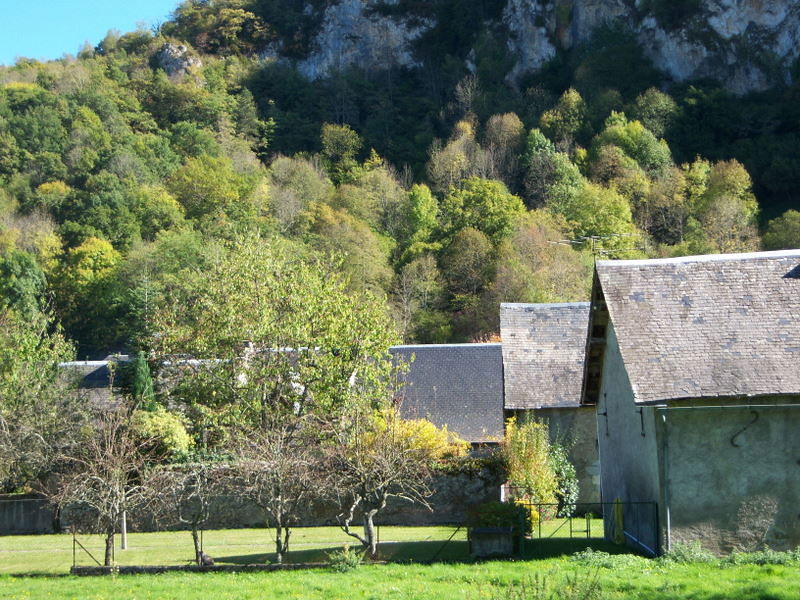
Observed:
{"x":441,"y":191}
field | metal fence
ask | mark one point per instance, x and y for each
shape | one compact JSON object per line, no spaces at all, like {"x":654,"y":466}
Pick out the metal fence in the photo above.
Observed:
{"x":632,"y":523}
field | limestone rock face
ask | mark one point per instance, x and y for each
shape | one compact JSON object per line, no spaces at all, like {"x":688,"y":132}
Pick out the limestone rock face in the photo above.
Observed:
{"x":175,"y":60}
{"x":352,"y":34}
{"x":747,"y":45}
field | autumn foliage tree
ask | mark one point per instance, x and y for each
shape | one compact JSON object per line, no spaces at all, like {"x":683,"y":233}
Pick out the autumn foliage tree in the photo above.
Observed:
{"x":271,"y":349}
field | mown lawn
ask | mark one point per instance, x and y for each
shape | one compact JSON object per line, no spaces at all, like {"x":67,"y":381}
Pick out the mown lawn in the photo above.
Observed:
{"x":35,"y":566}
{"x":53,"y":554}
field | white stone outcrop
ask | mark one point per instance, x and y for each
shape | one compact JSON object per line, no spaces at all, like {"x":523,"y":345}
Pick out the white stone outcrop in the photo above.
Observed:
{"x":353,"y":35}
{"x":175,"y":60}
{"x":748,"y":45}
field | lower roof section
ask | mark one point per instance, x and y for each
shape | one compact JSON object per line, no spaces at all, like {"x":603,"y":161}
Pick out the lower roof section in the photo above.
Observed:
{"x":458,"y":385}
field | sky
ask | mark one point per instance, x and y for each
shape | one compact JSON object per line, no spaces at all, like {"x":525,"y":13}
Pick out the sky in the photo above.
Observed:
{"x":48,"y":29}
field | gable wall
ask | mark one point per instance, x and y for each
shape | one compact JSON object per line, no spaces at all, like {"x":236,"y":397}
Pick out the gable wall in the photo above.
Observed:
{"x":629,"y":459}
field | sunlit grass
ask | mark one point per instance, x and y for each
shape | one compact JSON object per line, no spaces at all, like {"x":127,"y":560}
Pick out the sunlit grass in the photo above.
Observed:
{"x":487,"y":580}
{"x":53,"y":554}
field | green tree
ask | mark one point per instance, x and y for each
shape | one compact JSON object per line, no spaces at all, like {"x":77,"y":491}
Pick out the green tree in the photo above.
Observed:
{"x":365,"y":253}
{"x":532,"y":265}
{"x":726,"y":211}
{"x":656,"y":110}
{"x":567,"y":122}
{"x":85,"y":296}
{"x":40,"y":412}
{"x":483,"y":204}
{"x":467,"y":262}
{"x":292,"y":348}
{"x":212,"y":192}
{"x":783,"y":232}
{"x":340,"y":146}
{"x":22,"y":283}
{"x":419,"y":218}
{"x":296,"y":187}
{"x":652,"y":155}
{"x":598,"y":211}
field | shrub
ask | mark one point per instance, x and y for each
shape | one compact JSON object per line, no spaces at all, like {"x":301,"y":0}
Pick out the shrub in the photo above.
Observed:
{"x":763,"y":557}
{"x":344,"y":560}
{"x":688,"y":552}
{"x":567,"y":481}
{"x":575,"y":586}
{"x":527,"y":450}
{"x":603,"y":560}
{"x":502,"y":514}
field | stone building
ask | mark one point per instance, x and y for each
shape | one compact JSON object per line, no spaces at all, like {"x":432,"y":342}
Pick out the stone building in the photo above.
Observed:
{"x":694,"y":367}
{"x":543,"y":353}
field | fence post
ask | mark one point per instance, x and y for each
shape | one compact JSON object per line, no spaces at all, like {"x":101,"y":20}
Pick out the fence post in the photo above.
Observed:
{"x":123,"y":531}
{"x":539,"y":509}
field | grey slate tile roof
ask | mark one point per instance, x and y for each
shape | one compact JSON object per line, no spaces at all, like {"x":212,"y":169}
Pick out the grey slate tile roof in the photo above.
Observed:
{"x":543,"y":351}
{"x":91,"y":374}
{"x":458,"y":385}
{"x":707,"y":326}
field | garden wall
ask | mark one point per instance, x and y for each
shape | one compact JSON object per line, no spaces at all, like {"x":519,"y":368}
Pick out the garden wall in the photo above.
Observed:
{"x":24,"y":514}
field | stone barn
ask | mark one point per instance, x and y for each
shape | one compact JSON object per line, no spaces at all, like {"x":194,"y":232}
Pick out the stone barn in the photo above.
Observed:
{"x":543,"y":354}
{"x":694,"y":367}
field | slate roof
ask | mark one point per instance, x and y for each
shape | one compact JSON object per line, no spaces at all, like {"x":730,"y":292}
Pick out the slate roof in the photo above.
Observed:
{"x":458,"y":385}
{"x":707,"y":326}
{"x":93,"y":376}
{"x":543,"y":352}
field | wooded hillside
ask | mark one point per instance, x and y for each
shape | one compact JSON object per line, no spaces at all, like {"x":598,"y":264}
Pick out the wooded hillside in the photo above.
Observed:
{"x":446,"y":189}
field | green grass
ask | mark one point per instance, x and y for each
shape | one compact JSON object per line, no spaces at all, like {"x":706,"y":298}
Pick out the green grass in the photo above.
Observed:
{"x":488,"y":580}
{"x":52,"y":554}
{"x":49,"y":558}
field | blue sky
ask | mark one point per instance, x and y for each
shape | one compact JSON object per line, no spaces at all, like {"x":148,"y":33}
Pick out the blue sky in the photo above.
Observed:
{"x":47,"y":29}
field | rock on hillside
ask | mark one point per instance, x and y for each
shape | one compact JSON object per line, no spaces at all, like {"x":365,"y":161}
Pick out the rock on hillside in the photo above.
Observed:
{"x":748,"y":45}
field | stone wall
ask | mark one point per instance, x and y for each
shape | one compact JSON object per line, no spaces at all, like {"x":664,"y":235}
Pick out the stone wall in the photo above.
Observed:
{"x":25,"y":514}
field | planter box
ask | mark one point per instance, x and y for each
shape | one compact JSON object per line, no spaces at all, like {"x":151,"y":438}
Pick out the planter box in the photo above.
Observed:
{"x":487,"y":542}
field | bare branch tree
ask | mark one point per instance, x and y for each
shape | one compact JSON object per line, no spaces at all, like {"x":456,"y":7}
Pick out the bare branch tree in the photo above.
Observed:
{"x":277,"y":467}
{"x":184,"y":494}
{"x":106,"y":476}
{"x":378,"y":457}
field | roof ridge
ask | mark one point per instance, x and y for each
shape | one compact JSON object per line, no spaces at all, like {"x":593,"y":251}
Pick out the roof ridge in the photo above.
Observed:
{"x":544,"y":304}
{"x":702,"y":258}
{"x":463,"y":345}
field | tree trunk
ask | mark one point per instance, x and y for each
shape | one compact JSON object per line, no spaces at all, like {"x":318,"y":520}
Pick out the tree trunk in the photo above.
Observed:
{"x":109,"y":555}
{"x":197,"y":548}
{"x":369,"y":533}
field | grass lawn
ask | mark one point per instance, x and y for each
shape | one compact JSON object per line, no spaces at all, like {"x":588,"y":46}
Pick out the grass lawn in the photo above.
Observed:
{"x":548,"y":561}
{"x":52,"y":554}
{"x":488,"y":580}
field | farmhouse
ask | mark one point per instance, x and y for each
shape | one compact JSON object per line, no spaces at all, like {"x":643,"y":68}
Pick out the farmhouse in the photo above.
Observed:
{"x":694,"y":367}
{"x":543,"y":354}
{"x":457,"y":385}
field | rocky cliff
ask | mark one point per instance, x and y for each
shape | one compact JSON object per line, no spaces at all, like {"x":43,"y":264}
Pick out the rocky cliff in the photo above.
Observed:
{"x":748,"y":45}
